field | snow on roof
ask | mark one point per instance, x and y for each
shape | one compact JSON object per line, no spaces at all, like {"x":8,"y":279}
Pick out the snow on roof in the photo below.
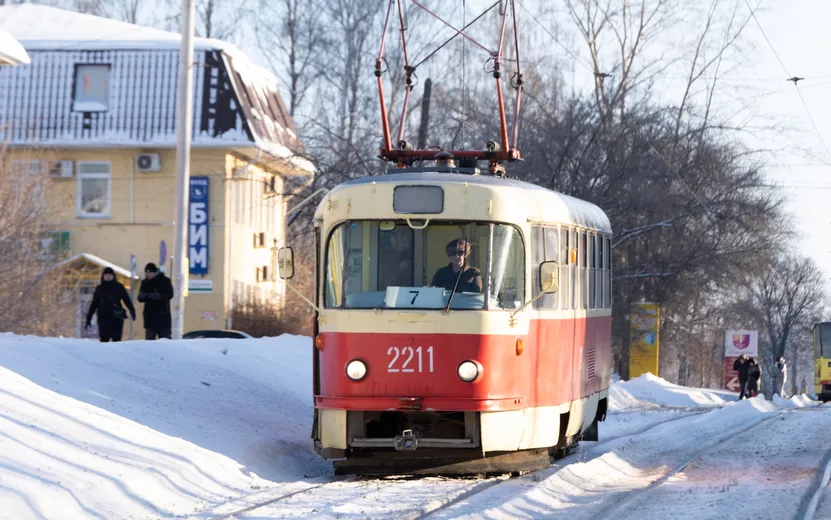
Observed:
{"x":11,"y":52}
{"x":95,"y":260}
{"x":40,"y":27}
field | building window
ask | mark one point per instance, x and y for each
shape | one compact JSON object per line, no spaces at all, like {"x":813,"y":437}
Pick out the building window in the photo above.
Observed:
{"x":91,"y":88}
{"x":94,"y":189}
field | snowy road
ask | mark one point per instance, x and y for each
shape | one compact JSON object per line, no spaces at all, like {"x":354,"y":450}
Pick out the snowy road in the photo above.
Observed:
{"x":219,"y":429}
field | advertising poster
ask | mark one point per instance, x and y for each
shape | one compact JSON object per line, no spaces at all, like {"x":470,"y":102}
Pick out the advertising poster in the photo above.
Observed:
{"x":644,"y":323}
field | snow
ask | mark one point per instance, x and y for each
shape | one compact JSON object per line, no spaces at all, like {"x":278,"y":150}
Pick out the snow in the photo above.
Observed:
{"x":150,"y":429}
{"x":220,"y":429}
{"x":11,"y":52}
{"x":658,"y":392}
{"x":41,"y":27}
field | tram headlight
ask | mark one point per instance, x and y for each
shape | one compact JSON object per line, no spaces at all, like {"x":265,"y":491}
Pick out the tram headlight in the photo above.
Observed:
{"x":356,"y":370}
{"x":468,"y":371}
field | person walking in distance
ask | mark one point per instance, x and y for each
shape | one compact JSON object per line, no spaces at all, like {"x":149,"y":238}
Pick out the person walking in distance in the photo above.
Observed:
{"x":741,"y":366}
{"x":155,"y":292}
{"x":106,"y":303}
{"x":754,"y":376}
{"x":780,"y":376}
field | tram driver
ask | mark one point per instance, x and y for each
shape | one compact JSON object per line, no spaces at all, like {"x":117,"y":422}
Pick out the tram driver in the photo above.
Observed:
{"x":469,"y":278}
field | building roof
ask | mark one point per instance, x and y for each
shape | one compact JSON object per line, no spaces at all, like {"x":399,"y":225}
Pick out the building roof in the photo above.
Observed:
{"x":236,"y":102}
{"x":11,"y":52}
{"x":92,"y":259}
{"x":40,"y":27}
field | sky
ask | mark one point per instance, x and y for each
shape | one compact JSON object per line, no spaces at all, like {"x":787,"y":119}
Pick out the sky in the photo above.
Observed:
{"x":798,"y":33}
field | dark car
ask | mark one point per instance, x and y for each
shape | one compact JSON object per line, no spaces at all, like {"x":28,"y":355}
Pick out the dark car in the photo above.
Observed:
{"x":227,"y":334}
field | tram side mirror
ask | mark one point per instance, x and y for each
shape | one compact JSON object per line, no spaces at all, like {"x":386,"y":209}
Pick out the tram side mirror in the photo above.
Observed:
{"x":285,"y":262}
{"x":549,"y":277}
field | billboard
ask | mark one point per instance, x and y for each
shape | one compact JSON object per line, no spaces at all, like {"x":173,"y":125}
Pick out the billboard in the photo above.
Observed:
{"x":736,"y":343}
{"x":198,"y":231}
{"x":644,"y":323}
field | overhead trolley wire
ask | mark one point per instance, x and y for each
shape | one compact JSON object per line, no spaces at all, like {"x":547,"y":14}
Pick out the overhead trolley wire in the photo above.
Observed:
{"x":793,"y":79}
{"x":544,"y":28}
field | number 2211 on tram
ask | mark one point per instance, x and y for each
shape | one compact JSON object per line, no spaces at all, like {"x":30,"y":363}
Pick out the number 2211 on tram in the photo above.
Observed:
{"x":464,"y":324}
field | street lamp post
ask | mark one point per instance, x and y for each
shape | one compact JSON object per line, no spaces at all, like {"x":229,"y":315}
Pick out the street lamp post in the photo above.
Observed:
{"x":183,"y":130}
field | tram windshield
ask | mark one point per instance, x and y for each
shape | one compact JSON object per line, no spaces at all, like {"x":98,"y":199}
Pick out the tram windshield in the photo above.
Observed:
{"x":390,"y":264}
{"x":822,"y":337}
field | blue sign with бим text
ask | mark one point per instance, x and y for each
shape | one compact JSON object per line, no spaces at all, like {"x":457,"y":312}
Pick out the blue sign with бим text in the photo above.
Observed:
{"x":198,"y":231}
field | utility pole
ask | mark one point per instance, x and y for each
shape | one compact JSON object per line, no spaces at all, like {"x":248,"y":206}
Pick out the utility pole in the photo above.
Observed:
{"x":183,"y":130}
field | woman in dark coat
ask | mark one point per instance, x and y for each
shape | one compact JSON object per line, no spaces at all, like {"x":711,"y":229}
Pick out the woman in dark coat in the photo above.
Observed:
{"x":106,"y":302}
{"x":754,"y":375}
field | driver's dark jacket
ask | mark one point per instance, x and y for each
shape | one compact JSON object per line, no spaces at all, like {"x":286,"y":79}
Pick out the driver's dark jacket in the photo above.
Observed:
{"x":470,"y":281}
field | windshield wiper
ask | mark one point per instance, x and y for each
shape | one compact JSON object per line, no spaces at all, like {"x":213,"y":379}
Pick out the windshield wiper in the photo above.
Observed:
{"x":456,"y":286}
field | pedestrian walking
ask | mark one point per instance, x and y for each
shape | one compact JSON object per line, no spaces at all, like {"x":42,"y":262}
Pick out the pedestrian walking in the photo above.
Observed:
{"x":106,"y":304}
{"x":754,"y":377}
{"x":741,"y":366}
{"x":155,"y":292}
{"x":780,"y":376}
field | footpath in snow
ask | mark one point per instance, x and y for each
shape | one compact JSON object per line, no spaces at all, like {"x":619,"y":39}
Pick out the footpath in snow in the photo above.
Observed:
{"x":220,"y":429}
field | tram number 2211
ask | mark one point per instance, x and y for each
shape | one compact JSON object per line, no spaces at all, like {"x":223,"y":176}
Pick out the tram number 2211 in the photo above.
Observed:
{"x":402,"y":359}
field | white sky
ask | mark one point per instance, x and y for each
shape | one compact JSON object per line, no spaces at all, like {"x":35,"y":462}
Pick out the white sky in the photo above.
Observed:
{"x":798,"y":31}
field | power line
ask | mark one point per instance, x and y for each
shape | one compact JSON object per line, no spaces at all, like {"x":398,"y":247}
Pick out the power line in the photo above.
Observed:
{"x":790,"y":78}
{"x":568,"y":51}
{"x":753,"y":14}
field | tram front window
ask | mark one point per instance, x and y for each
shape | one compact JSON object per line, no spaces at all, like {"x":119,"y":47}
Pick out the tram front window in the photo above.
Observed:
{"x":390,"y":264}
{"x":824,"y":339}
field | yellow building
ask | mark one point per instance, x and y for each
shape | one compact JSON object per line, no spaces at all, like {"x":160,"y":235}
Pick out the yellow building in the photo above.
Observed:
{"x":99,"y":101}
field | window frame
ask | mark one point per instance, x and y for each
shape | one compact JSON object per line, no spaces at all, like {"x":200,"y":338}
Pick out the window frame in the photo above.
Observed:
{"x":86,"y":105}
{"x":81,"y":177}
{"x":324,"y":271}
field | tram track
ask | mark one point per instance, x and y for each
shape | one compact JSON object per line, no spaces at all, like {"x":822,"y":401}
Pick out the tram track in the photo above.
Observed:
{"x":321,"y":491}
{"x":564,"y":463}
{"x":621,"y":503}
{"x":816,"y":492}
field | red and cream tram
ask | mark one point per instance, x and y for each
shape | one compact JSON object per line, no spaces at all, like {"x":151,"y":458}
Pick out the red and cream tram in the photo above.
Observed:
{"x":464,"y":323}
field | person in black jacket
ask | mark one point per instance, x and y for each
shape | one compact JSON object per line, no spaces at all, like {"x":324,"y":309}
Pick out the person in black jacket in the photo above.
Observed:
{"x":106,"y":301}
{"x":155,"y":292}
{"x":754,"y":375}
{"x":741,"y":366}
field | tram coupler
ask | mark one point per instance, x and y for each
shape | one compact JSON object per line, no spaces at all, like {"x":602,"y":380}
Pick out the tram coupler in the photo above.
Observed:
{"x":406,"y":441}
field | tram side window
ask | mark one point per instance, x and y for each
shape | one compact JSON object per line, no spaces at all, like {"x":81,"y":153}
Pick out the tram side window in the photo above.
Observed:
{"x":592,"y":258}
{"x":581,"y":271}
{"x":565,"y":269}
{"x":572,"y":269}
{"x":546,"y":248}
{"x":607,"y":273}
{"x":599,"y":275}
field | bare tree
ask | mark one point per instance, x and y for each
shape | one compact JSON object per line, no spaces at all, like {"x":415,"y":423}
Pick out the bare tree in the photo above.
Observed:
{"x":220,"y":19}
{"x":292,"y":43}
{"x":786,"y":301}
{"x":24,"y":213}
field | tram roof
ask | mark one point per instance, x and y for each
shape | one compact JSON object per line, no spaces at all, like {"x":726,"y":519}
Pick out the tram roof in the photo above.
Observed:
{"x":537,"y":204}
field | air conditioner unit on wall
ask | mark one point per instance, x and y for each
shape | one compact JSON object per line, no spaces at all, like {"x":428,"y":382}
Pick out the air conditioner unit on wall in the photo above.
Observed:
{"x":148,"y":162}
{"x":60,"y":169}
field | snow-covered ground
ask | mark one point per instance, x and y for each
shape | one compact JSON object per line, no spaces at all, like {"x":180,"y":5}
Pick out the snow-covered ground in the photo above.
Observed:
{"x":220,"y":429}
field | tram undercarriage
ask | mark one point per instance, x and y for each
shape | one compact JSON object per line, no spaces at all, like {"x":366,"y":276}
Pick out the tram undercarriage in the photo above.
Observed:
{"x":446,"y":443}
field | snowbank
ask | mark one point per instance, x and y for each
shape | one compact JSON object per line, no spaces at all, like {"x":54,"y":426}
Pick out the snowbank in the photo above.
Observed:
{"x":150,"y":428}
{"x":650,"y":391}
